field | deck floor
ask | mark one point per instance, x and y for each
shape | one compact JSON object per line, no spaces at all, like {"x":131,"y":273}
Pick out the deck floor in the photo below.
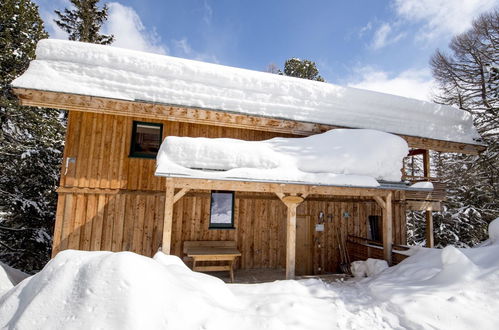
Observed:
{"x":249,"y":276}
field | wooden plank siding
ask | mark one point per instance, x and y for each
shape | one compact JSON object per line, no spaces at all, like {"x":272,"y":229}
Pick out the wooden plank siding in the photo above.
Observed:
{"x":127,"y":221}
{"x":109,"y":201}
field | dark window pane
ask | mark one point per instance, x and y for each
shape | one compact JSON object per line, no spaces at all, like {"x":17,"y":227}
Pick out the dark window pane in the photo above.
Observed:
{"x":222,"y":209}
{"x":146,"y":139}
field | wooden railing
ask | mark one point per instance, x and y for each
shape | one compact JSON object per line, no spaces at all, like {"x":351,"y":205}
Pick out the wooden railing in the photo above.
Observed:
{"x":360,"y":248}
{"x":439,"y":193}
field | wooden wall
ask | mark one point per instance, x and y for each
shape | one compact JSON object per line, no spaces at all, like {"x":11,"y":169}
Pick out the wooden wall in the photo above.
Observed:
{"x":108,"y":201}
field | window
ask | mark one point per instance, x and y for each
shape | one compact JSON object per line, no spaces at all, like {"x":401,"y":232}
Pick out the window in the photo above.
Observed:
{"x":146,"y":139}
{"x":222,"y":210}
{"x":374,"y":228}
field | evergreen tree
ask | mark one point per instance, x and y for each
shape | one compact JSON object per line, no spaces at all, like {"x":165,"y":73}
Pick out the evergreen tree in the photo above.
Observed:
{"x":468,"y":78}
{"x":83,"y":23}
{"x":30,"y":147}
{"x":294,"y":67}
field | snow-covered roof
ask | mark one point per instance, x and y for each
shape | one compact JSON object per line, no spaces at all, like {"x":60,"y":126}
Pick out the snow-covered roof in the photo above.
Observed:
{"x":104,"y":71}
{"x":340,"y":157}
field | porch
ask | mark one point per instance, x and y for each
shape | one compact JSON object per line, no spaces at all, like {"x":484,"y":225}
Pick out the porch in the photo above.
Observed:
{"x":304,"y":223}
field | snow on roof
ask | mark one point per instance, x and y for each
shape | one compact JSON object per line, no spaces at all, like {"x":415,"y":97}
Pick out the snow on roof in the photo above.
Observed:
{"x":344,"y":157}
{"x":104,"y":71}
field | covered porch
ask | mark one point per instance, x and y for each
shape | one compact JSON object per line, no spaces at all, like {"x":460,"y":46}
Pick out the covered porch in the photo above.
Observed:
{"x":290,"y":198}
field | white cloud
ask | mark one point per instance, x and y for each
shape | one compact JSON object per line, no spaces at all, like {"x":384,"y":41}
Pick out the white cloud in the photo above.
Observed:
{"x":129,"y":32}
{"x":384,"y":36}
{"x":413,"y":83}
{"x":182,"y":48}
{"x":208,"y":12}
{"x":441,"y":17}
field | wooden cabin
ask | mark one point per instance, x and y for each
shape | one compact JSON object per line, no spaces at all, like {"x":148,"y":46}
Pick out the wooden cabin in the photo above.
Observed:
{"x":121,"y":104}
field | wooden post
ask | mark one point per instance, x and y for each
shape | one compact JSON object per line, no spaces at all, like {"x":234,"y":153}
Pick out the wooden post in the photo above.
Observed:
{"x":426,"y":164}
{"x":291,"y":203}
{"x":387,"y":229}
{"x":168,"y":218}
{"x":429,"y":228}
{"x":428,"y":213}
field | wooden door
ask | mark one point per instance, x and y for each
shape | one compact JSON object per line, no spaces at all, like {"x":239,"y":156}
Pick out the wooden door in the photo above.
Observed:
{"x":304,"y":245}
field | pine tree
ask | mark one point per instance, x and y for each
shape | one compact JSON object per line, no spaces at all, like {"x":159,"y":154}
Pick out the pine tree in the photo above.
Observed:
{"x":30,"y":147}
{"x":295,"y":67}
{"x":468,"y":79}
{"x":83,"y":23}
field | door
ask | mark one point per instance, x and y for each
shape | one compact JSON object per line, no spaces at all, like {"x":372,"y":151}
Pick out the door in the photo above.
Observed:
{"x":304,"y":246}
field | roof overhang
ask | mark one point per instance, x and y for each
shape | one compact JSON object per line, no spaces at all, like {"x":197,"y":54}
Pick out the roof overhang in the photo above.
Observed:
{"x":285,"y":187}
{"x":160,"y":111}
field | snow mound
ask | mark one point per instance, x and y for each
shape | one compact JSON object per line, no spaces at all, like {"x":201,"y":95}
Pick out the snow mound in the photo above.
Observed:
{"x":433,"y":289}
{"x":104,"y":71}
{"x":341,"y":156}
{"x":494,"y":231}
{"x":9,"y":277}
{"x":90,"y":290}
{"x":448,"y":288}
{"x":369,"y":267}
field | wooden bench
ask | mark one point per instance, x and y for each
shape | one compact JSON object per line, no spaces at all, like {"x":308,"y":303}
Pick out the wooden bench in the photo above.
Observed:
{"x":218,"y":251}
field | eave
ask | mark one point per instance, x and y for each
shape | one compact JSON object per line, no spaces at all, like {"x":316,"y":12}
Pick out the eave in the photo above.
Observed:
{"x":158,"y":111}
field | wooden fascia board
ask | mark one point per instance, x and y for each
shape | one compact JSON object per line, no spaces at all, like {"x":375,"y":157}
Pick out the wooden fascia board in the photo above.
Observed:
{"x":278,"y":188}
{"x":76,"y":102}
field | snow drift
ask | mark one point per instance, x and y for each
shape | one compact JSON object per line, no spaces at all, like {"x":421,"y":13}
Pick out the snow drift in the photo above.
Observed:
{"x":433,"y":289}
{"x":341,"y":157}
{"x":104,"y":71}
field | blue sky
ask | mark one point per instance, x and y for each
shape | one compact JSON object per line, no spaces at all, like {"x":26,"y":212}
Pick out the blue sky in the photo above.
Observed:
{"x":382,"y":45}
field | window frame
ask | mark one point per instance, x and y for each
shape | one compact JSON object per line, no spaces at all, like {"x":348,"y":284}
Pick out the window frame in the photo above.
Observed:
{"x":137,"y":154}
{"x":212,"y":225}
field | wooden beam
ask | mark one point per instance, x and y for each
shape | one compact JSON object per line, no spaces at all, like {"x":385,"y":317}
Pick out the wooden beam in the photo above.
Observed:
{"x":75,"y":102}
{"x":276,"y":188}
{"x":168,"y":217}
{"x":429,"y":229}
{"x":414,"y":152}
{"x":387,"y":229}
{"x":380,"y":202}
{"x":180,"y":194}
{"x":423,"y":205}
{"x":426,"y":164}
{"x":280,"y":195}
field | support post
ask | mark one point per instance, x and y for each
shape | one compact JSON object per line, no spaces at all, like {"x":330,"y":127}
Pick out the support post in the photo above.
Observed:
{"x":291,"y":203}
{"x":429,"y":212}
{"x":387,"y":229}
{"x":429,"y":229}
{"x":168,"y":217}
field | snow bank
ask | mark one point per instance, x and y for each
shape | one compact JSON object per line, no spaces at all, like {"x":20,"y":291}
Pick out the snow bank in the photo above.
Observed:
{"x":447,"y":288}
{"x":369,"y":267}
{"x":90,"y":290}
{"x":340,"y":157}
{"x":9,"y":277}
{"x":97,"y":70}
{"x":433,"y":289}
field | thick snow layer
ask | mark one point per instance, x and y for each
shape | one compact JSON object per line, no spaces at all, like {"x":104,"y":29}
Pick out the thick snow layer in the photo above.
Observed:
{"x":369,"y":267}
{"x":354,"y":157}
{"x":9,"y":277}
{"x":433,"y":289}
{"x":97,"y":70}
{"x":424,"y":184}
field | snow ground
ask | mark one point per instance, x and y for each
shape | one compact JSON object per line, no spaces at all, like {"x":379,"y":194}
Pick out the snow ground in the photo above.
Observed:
{"x":433,"y":289}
